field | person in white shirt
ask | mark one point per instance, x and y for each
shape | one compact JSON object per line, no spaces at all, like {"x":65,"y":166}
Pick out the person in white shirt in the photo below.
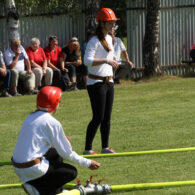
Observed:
{"x":99,"y":59}
{"x":42,"y":146}
{"x":5,"y":75}
{"x":119,"y":48}
{"x":16,"y":59}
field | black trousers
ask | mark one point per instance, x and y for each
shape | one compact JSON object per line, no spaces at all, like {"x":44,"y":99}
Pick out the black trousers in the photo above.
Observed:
{"x":101,"y":96}
{"x":57,"y":175}
{"x":60,"y":79}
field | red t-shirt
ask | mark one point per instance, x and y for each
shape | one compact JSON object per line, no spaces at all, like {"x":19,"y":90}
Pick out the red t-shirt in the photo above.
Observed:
{"x":53,"y":56}
{"x":37,"y":56}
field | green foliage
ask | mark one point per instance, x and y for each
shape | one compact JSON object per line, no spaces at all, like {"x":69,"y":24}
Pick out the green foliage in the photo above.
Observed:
{"x":72,"y":7}
{"x":119,"y":8}
{"x":146,"y":116}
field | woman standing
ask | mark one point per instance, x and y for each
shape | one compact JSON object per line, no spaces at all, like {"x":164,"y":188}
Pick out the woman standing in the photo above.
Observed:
{"x":99,"y":59}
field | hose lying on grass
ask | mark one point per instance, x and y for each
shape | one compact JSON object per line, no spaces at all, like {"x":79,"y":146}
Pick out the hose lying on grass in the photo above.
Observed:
{"x":126,"y":153}
{"x":118,"y":188}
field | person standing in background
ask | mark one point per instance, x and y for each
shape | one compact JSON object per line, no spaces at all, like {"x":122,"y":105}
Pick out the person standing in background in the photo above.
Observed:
{"x":119,"y":48}
{"x":99,"y":57}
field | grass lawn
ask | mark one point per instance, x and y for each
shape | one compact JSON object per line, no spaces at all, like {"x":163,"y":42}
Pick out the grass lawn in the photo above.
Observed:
{"x":146,"y":115}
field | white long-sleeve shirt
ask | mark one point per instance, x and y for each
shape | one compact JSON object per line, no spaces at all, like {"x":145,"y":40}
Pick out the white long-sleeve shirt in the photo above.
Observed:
{"x":118,"y":48}
{"x":94,"y":50}
{"x":41,"y":131}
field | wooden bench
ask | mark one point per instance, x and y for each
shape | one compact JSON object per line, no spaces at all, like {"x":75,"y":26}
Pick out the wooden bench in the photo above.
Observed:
{"x":188,"y":62}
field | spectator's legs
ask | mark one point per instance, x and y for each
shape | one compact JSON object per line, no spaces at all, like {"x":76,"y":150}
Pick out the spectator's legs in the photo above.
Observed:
{"x":7,"y":79}
{"x":28,"y":79}
{"x":48,"y":76}
{"x":14,"y":80}
{"x":84,"y":71}
{"x":66,"y":83}
{"x":57,"y":78}
{"x":38,"y":77}
{"x":6,"y":84}
{"x":72,"y":74}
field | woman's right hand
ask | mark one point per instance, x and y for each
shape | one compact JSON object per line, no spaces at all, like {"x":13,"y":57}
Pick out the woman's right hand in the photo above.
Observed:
{"x":94,"y":165}
{"x":113,"y":63}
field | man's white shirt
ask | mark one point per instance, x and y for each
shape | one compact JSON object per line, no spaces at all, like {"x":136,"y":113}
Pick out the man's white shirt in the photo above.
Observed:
{"x":39,"y":132}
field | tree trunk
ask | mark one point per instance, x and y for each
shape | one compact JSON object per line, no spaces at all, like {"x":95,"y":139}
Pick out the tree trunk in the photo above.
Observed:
{"x":12,"y":19}
{"x":151,"y":58}
{"x":92,"y":7}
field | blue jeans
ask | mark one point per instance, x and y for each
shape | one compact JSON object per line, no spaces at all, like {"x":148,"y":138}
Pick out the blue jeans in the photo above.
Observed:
{"x":6,"y":80}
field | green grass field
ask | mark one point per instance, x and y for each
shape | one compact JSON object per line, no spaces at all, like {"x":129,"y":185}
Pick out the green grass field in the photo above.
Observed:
{"x":158,"y":114}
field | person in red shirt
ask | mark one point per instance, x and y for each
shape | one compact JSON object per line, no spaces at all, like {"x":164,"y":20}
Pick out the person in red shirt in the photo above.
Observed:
{"x":38,"y":63}
{"x":53,"y":53}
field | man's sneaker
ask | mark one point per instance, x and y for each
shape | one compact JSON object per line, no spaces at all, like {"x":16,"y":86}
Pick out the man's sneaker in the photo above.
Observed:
{"x":29,"y":189}
{"x":33,"y":92}
{"x":5,"y":94}
{"x":15,"y":94}
{"x":90,"y":152}
{"x":107,"y":150}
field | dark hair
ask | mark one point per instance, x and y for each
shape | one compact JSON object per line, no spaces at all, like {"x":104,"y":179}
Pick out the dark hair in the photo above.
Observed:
{"x":89,"y":34}
{"x":51,"y":38}
{"x":101,"y":37}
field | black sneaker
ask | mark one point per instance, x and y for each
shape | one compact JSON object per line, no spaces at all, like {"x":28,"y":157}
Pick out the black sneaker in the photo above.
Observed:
{"x":5,"y":94}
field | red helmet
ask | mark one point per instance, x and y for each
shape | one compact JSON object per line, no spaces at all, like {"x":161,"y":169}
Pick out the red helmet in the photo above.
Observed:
{"x":48,"y":98}
{"x":106,"y":14}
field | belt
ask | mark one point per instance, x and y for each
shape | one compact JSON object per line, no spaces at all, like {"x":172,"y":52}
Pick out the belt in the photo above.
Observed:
{"x":105,"y":79}
{"x":26,"y":164}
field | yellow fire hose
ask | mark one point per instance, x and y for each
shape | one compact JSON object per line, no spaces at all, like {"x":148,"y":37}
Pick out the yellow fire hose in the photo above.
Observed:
{"x":120,"y":188}
{"x":126,"y":153}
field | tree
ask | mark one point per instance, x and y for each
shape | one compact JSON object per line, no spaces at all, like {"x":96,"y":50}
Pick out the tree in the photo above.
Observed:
{"x":12,"y":19}
{"x":119,"y":7}
{"x":47,"y":7}
{"x":92,"y":7}
{"x":29,"y":7}
{"x":151,"y":39}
